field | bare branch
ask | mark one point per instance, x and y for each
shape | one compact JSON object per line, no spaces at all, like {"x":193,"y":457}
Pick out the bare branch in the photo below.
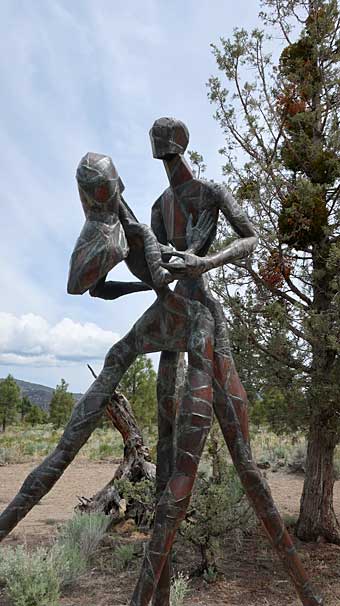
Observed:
{"x":91,"y":370}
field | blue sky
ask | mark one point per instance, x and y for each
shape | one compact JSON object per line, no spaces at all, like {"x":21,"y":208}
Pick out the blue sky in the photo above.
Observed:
{"x":89,"y":76}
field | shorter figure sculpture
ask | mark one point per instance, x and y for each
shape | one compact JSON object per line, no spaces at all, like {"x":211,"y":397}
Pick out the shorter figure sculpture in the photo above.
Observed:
{"x":111,"y":234}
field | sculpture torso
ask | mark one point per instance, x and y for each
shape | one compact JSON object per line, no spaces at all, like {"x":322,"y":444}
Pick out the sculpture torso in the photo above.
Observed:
{"x":178,"y":203}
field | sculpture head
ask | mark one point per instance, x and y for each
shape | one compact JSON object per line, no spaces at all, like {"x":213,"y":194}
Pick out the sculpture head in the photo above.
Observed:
{"x":168,"y":138}
{"x":98,"y":183}
{"x":102,"y":242}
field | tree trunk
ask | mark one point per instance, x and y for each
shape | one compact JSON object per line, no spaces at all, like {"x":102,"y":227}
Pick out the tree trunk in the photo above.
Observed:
{"x":317,"y":518}
{"x":135,"y":466}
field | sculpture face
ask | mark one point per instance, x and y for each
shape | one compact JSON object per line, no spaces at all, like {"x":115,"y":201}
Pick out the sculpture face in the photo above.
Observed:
{"x":168,"y":137}
{"x":98,"y":183}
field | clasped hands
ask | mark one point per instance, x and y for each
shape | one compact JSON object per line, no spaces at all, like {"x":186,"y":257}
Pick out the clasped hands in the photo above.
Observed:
{"x":190,"y":265}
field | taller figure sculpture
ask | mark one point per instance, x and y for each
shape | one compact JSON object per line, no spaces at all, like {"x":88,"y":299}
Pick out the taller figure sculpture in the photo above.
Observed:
{"x":173,"y":215}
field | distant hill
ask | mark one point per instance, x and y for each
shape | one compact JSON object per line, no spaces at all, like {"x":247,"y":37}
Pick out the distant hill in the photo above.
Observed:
{"x":39,"y":394}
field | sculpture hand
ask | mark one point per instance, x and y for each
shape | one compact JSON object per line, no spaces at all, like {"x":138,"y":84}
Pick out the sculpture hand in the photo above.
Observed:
{"x":167,"y":249}
{"x":191,"y":266}
{"x":198,"y":234}
{"x":162,"y":277}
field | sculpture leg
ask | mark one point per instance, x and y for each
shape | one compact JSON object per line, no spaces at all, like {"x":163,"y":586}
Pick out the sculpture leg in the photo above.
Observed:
{"x":229,"y":402}
{"x":167,"y":406}
{"x":194,"y":421}
{"x":83,"y":421}
{"x":230,"y":406}
{"x":164,"y":325}
{"x":222,"y":353}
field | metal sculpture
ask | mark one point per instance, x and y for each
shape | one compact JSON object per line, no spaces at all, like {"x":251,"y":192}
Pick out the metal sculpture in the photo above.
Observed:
{"x":188,"y":319}
{"x":173,"y":214}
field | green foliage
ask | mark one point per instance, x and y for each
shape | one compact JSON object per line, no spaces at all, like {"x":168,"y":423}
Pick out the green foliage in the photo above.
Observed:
{"x":36,"y":416}
{"x":298,"y":63}
{"x":84,"y":531}
{"x":210,"y":575}
{"x":25,"y":406}
{"x":286,"y":452}
{"x":70,"y":564}
{"x":31,"y":413}
{"x":217,"y":509}
{"x":303,"y":216}
{"x":301,"y":154}
{"x":248,"y":190}
{"x":76,"y":544}
{"x":35,"y":579}
{"x":305,"y":149}
{"x":281,"y":410}
{"x":9,"y":401}
{"x":285,"y":120}
{"x":197,"y":163}
{"x":179,"y":590}
{"x":9,"y":455}
{"x":18,"y":444}
{"x":123,"y":555}
{"x":61,"y":405}
{"x":139,"y":387}
{"x":139,"y":498}
{"x":30,"y":579}
{"x":104,"y":444}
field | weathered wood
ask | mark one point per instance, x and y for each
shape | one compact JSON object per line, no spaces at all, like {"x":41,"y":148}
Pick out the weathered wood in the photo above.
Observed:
{"x":135,"y":466}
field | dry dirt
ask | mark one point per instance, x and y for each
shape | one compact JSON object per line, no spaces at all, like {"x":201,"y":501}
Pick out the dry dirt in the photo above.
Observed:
{"x":251,"y":574}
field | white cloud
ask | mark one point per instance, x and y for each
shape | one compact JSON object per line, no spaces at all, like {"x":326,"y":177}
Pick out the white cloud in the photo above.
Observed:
{"x":30,"y":340}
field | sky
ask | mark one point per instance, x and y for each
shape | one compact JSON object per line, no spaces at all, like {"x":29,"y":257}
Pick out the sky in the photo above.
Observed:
{"x":90,"y":76}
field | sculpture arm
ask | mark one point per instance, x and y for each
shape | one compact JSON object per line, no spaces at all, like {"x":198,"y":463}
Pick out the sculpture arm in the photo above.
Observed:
{"x":233,"y":213}
{"x":153,"y":249}
{"x":113,"y":290}
{"x":239,"y":221}
{"x":240,"y":248}
{"x":157,"y":224}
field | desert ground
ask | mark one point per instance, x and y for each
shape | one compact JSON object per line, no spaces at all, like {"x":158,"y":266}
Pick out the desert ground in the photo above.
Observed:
{"x":251,"y":574}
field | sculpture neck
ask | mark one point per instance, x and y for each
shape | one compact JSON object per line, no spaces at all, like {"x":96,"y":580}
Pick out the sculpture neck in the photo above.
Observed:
{"x":178,"y":170}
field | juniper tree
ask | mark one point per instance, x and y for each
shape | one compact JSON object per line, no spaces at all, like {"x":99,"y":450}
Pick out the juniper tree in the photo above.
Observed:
{"x":139,"y":387}
{"x":9,"y":401}
{"x":61,"y":405}
{"x":280,"y":120}
{"x":25,"y":407}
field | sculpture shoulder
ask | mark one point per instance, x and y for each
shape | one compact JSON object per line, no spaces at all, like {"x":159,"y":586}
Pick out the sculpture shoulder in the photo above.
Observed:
{"x":231,"y":209}
{"x":215,"y":193}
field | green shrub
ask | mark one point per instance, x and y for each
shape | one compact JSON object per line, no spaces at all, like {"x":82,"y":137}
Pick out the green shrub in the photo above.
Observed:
{"x":218,"y":509}
{"x":35,"y":579}
{"x":179,"y":590}
{"x":140,"y":500}
{"x":30,"y":579}
{"x":210,"y":575}
{"x":10,"y":455}
{"x":84,"y":531}
{"x":104,"y":444}
{"x":123,"y":555}
{"x":76,"y":543}
{"x":23,"y":443}
{"x":297,"y":459}
{"x":277,"y":451}
{"x":69,"y":563}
